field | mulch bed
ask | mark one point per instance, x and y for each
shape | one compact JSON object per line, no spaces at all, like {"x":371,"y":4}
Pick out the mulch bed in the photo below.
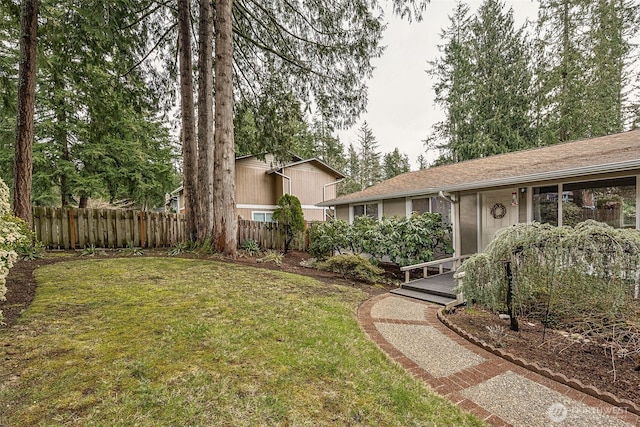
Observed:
{"x":589,"y":362}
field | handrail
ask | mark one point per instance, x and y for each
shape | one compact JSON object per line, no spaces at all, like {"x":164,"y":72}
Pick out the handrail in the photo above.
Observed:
{"x":424,"y":265}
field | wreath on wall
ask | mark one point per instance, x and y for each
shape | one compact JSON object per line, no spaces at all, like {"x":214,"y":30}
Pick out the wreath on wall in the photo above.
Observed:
{"x":498,"y":211}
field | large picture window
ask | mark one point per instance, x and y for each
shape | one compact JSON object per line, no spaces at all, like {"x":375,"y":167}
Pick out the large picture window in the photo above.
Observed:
{"x":612,"y":201}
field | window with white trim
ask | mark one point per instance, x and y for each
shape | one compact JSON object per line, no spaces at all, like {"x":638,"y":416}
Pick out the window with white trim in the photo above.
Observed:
{"x":262,"y":216}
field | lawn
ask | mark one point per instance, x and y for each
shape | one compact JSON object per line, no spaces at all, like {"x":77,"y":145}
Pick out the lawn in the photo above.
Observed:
{"x":169,"y":341}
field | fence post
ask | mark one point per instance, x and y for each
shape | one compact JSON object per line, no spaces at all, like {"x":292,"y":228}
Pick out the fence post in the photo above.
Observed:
{"x":72,"y":229}
{"x":142,"y":231}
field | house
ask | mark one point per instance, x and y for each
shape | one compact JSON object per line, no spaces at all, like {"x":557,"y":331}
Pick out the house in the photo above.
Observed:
{"x":560,"y":184}
{"x":260,"y":184}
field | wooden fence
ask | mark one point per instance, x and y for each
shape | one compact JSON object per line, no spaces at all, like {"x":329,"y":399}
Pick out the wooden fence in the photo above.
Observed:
{"x":71,"y":228}
{"x":269,"y":235}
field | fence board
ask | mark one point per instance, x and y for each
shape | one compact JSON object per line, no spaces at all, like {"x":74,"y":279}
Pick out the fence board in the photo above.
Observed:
{"x":68,"y":228}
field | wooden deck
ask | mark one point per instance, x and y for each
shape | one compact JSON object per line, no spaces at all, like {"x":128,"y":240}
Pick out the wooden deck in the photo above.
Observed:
{"x":437,"y":289}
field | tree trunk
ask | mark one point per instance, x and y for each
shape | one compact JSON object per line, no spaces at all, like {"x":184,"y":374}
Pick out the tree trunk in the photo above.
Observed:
{"x":225,"y":222}
{"x":62,"y":137}
{"x":23,"y":160}
{"x":205,"y":120}
{"x":189,"y":148}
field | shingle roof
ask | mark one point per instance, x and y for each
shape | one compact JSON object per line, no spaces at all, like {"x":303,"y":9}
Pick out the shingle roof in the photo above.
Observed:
{"x":596,"y":155}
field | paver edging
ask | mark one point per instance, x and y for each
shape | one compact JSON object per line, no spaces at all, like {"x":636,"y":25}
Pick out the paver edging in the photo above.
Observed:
{"x":545,"y":372}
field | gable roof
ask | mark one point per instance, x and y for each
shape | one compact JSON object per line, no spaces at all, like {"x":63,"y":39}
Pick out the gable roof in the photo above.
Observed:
{"x":315,"y":161}
{"x":612,"y":153}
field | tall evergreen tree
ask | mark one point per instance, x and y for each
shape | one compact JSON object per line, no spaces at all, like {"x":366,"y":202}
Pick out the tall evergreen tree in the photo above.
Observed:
{"x":205,"y":120}
{"x":225,"y":224}
{"x":189,"y":142}
{"x":395,"y":163}
{"x":422,"y":162}
{"x":452,"y":72}
{"x":97,"y":131}
{"x":483,"y":84}
{"x":370,"y":169}
{"x":583,"y":67}
{"x":352,"y":183}
{"x":22,"y":163}
{"x":561,"y":70}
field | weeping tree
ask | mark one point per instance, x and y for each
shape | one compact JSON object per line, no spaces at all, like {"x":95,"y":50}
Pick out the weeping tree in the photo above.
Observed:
{"x":581,"y":279}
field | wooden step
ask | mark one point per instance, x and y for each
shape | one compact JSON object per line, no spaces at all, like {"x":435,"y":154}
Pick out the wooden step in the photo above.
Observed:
{"x":423,"y":296}
{"x":439,"y":289}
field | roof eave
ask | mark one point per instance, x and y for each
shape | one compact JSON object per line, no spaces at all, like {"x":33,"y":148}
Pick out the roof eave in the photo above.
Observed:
{"x":538,"y":177}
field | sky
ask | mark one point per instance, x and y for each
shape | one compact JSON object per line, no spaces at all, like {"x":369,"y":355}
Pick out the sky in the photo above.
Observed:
{"x":401,"y":109}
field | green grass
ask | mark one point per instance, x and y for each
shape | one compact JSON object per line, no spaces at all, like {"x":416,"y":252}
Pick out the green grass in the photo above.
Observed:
{"x":165,"y":341}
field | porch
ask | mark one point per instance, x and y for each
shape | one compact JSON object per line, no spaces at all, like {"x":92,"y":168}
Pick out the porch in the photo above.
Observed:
{"x":438,"y":288}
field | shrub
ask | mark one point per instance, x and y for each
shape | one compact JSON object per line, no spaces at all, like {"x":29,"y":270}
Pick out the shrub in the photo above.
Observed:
{"x":582,"y":278}
{"x":131,"y":249}
{"x":250,"y":247}
{"x":289,"y":215}
{"x":353,"y":267}
{"x":404,"y":240}
{"x":30,"y":252}
{"x":91,"y":250}
{"x":327,"y":238}
{"x":272,"y":256}
{"x":11,"y":236}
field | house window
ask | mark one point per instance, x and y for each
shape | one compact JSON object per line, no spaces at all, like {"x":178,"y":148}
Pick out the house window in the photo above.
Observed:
{"x":433,"y":204}
{"x":369,"y":209}
{"x":612,"y":201}
{"x":443,"y":207}
{"x":262,"y":216}
{"x":420,"y":206}
{"x":545,"y":204}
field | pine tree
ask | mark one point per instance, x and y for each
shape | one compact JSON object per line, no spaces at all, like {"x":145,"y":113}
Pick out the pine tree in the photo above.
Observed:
{"x":452,"y":72}
{"x":370,"y":170}
{"x":583,"y":67}
{"x":422,"y":162}
{"x":561,"y":73}
{"x":483,"y":84}
{"x":395,"y":163}
{"x":22,"y":163}
{"x":352,"y":183}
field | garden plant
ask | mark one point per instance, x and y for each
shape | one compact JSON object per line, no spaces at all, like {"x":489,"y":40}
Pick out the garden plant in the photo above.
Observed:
{"x":403,"y":241}
{"x":582,"y":280}
{"x":14,"y":233}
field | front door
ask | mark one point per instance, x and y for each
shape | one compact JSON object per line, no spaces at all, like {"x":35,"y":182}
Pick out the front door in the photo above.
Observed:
{"x":497,"y":213}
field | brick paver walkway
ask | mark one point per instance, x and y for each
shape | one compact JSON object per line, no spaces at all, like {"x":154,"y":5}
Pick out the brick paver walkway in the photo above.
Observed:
{"x":494,"y":389}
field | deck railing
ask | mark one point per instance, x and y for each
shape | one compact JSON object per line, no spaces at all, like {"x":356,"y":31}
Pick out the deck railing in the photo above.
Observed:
{"x":440,"y":263}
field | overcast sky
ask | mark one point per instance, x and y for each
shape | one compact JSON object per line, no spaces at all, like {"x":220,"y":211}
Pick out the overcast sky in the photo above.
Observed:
{"x":401,"y":108}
